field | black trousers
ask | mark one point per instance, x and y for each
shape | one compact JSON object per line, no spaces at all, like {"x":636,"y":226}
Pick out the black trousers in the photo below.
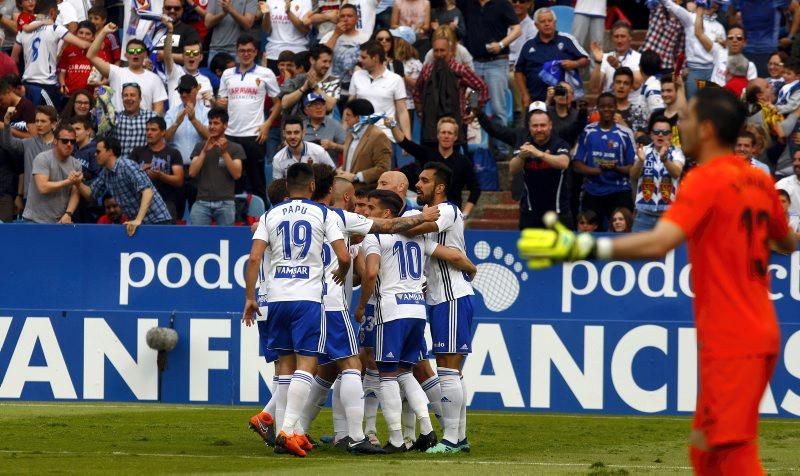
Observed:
{"x":253,"y":180}
{"x":604,"y":205}
{"x":533,"y":218}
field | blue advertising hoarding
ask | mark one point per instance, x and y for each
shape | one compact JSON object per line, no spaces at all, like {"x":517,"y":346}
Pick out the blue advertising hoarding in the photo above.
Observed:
{"x":605,"y":337}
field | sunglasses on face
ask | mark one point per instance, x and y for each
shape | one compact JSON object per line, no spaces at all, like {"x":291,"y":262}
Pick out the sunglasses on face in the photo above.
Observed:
{"x":661,"y":132}
{"x":173,"y":9}
{"x":67,"y":141}
{"x":135,"y":51}
{"x":191,"y":52}
{"x":383,"y":39}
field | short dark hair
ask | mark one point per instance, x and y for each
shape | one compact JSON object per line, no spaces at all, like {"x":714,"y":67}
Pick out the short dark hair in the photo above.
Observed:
{"x":372,"y":48}
{"x":620,"y":24}
{"x":48,"y":111}
{"x":302,"y":60}
{"x":86,"y":121}
{"x":137,"y":41}
{"x":88,"y":25}
{"x":276,"y":192}
{"x":607,"y":95}
{"x":744,"y":133}
{"x":784,"y":193}
{"x":656,"y":119}
{"x":323,"y":176}
{"x":442,"y":174}
{"x":292,"y":120}
{"x":286,"y":55}
{"x":159,"y":121}
{"x":44,"y":6}
{"x":220,"y":61}
{"x":723,"y":110}
{"x":298,"y":176}
{"x":360,"y":106}
{"x":590,"y":216}
{"x":667,"y":79}
{"x":63,"y":127}
{"x":348,"y":5}
{"x":792,"y":64}
{"x":650,"y":63}
{"x":388,"y":200}
{"x":98,"y":10}
{"x":320,"y":49}
{"x":218,"y":113}
{"x":246,"y":39}
{"x":13,"y":80}
{"x":624,"y":71}
{"x":361,"y":192}
{"x":739,"y":27}
{"x":111,"y":144}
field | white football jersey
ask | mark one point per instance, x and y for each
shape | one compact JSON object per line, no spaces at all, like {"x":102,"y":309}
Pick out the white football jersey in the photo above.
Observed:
{"x":336,"y":299}
{"x":398,"y":291}
{"x":445,"y":281}
{"x":40,"y":48}
{"x":295,"y":231}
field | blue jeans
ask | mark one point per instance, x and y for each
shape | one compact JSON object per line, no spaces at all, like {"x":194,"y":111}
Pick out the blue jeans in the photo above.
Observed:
{"x":695,"y":74}
{"x":645,"y":221}
{"x":221,"y":211}
{"x":495,"y":73}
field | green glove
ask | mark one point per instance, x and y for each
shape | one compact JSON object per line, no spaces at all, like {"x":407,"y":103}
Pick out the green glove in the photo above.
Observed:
{"x":543,"y":248}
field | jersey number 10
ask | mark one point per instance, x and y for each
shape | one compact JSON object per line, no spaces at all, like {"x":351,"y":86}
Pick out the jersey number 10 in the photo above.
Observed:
{"x":409,"y":259}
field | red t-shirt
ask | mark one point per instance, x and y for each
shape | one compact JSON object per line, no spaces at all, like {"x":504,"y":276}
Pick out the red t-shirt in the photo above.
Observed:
{"x":111,"y":48}
{"x":106,"y":220}
{"x":23,"y":19}
{"x":729,"y":211}
{"x":200,"y":25}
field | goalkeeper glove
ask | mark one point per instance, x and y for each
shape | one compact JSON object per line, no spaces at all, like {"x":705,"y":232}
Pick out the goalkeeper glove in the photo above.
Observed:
{"x":544,"y":247}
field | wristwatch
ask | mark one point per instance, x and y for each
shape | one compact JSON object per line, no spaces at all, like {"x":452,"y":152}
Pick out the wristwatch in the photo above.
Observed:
{"x":501,"y":44}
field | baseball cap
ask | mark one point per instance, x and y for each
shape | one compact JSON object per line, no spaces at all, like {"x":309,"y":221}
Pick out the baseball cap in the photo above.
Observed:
{"x":186,"y":83}
{"x":406,"y":33}
{"x":537,"y":106}
{"x":311,"y":97}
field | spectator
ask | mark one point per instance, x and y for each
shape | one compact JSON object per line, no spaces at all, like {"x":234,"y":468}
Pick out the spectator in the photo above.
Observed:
{"x":228,"y":20}
{"x":791,"y":184}
{"x":111,"y":48}
{"x":650,"y":91}
{"x":183,"y":34}
{"x":131,"y":122}
{"x":415,"y":14}
{"x":29,"y":148}
{"x":547,"y":45}
{"x":216,"y":67}
{"x":786,"y":203}
{"x":74,"y":67}
{"x":247,"y":127}
{"x":297,"y":150}
{"x":384,"y":37}
{"x":543,"y":159}
{"x":324,"y":17}
{"x":789,"y":95}
{"x":656,"y":172}
{"x":621,"y":220}
{"x":589,"y":24}
{"x":40,"y":49}
{"x":461,"y":165}
{"x":699,"y":61}
{"x":22,"y":120}
{"x":734,"y":45}
{"x":126,"y":181}
{"x":760,"y":22}
{"x":85,"y":147}
{"x":318,"y":80}
{"x":568,"y":120}
{"x":631,"y":114}
{"x":367,"y":150}
{"x":345,"y":42}
{"x":191,"y":54}
{"x":320,"y":128}
{"x":151,"y":89}
{"x":775,"y":70}
{"x":460,"y":53}
{"x":745,"y":147}
{"x":80,"y":104}
{"x":604,"y":156}
{"x":434,"y":95}
{"x":68,"y":15}
{"x":602,"y":78}
{"x":283,"y":22}
{"x":162,"y":163}
{"x":492,"y":26}
{"x":675,"y":101}
{"x":52,"y":197}
{"x":737,"y":75}
{"x":113,"y":215}
{"x":451,"y":17}
{"x":412,"y":67}
{"x":216,"y":165}
{"x":522,"y":9}
{"x":195,"y":12}
{"x":367,"y":12}
{"x":385,"y":90}
{"x":588,"y":221}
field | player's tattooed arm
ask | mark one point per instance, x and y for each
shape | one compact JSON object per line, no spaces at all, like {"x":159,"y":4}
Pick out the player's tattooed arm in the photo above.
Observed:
{"x":403,"y":224}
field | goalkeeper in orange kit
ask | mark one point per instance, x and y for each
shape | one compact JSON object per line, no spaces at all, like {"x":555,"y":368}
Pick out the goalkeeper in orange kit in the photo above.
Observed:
{"x":730,"y":215}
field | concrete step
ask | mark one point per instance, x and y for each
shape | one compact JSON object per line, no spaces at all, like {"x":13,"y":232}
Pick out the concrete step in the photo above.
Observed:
{"x":492,"y":224}
{"x":501,"y":212}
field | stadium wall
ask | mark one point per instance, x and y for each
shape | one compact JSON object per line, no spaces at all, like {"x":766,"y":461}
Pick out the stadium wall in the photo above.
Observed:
{"x":76,"y":303}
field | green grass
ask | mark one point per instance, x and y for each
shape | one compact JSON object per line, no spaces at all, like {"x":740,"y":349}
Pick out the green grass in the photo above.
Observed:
{"x":157,"y":439}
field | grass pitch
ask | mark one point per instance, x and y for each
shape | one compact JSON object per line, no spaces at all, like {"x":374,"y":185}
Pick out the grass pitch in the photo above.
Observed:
{"x":157,"y":439}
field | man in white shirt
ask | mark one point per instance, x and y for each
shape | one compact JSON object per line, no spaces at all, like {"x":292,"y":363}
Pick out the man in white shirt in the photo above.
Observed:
{"x":733,"y":46}
{"x":745,"y":145}
{"x":381,"y":87}
{"x":522,"y":9}
{"x":192,"y":55}
{"x":602,"y":78}
{"x":366,"y":15}
{"x":345,"y":40}
{"x":792,"y":185}
{"x":283,"y":21}
{"x":243,"y":89}
{"x":297,"y":150}
{"x":150,"y":85}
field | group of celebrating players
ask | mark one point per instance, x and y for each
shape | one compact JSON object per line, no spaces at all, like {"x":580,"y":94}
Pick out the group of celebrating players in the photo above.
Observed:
{"x":320,"y":239}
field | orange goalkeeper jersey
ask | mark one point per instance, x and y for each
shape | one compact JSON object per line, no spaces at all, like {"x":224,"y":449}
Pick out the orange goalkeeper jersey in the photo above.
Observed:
{"x":729,"y":211}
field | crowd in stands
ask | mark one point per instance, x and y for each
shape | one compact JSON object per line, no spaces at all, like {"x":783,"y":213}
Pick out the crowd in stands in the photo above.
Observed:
{"x":180,"y":111}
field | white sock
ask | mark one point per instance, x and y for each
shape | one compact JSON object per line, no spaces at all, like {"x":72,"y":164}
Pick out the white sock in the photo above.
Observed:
{"x":270,"y":407}
{"x":352,"y":394}
{"x":339,"y":415}
{"x":434,"y":393}
{"x":372,"y":392}
{"x":462,"y":421}
{"x":392,"y":406}
{"x":409,"y":419}
{"x":452,"y":398}
{"x":280,"y":399}
{"x":317,"y":397}
{"x":416,"y":400}
{"x":296,"y":397}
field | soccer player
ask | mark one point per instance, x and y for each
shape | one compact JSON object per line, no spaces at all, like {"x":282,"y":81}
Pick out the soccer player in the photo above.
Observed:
{"x":450,"y":299}
{"x":295,"y":232}
{"x":731,"y":217}
{"x":393,"y":272}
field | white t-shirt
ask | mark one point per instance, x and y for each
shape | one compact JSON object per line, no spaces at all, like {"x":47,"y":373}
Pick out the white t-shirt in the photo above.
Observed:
{"x":40,"y":48}
{"x":398,"y":291}
{"x":445,"y":282}
{"x":295,"y":231}
{"x":335,"y":298}
{"x":246,"y":93}
{"x":792,"y":187}
{"x":650,"y":94}
{"x":366,"y":15}
{"x":529,"y":31}
{"x":150,"y":84}
{"x":284,"y":159}
{"x":175,"y":77}
{"x":656,"y":189}
{"x":80,"y":8}
{"x":594,"y":8}
{"x":718,"y":76}
{"x":67,"y":14}
{"x":284,"y":35}
{"x":382,"y":92}
{"x":630,"y":60}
